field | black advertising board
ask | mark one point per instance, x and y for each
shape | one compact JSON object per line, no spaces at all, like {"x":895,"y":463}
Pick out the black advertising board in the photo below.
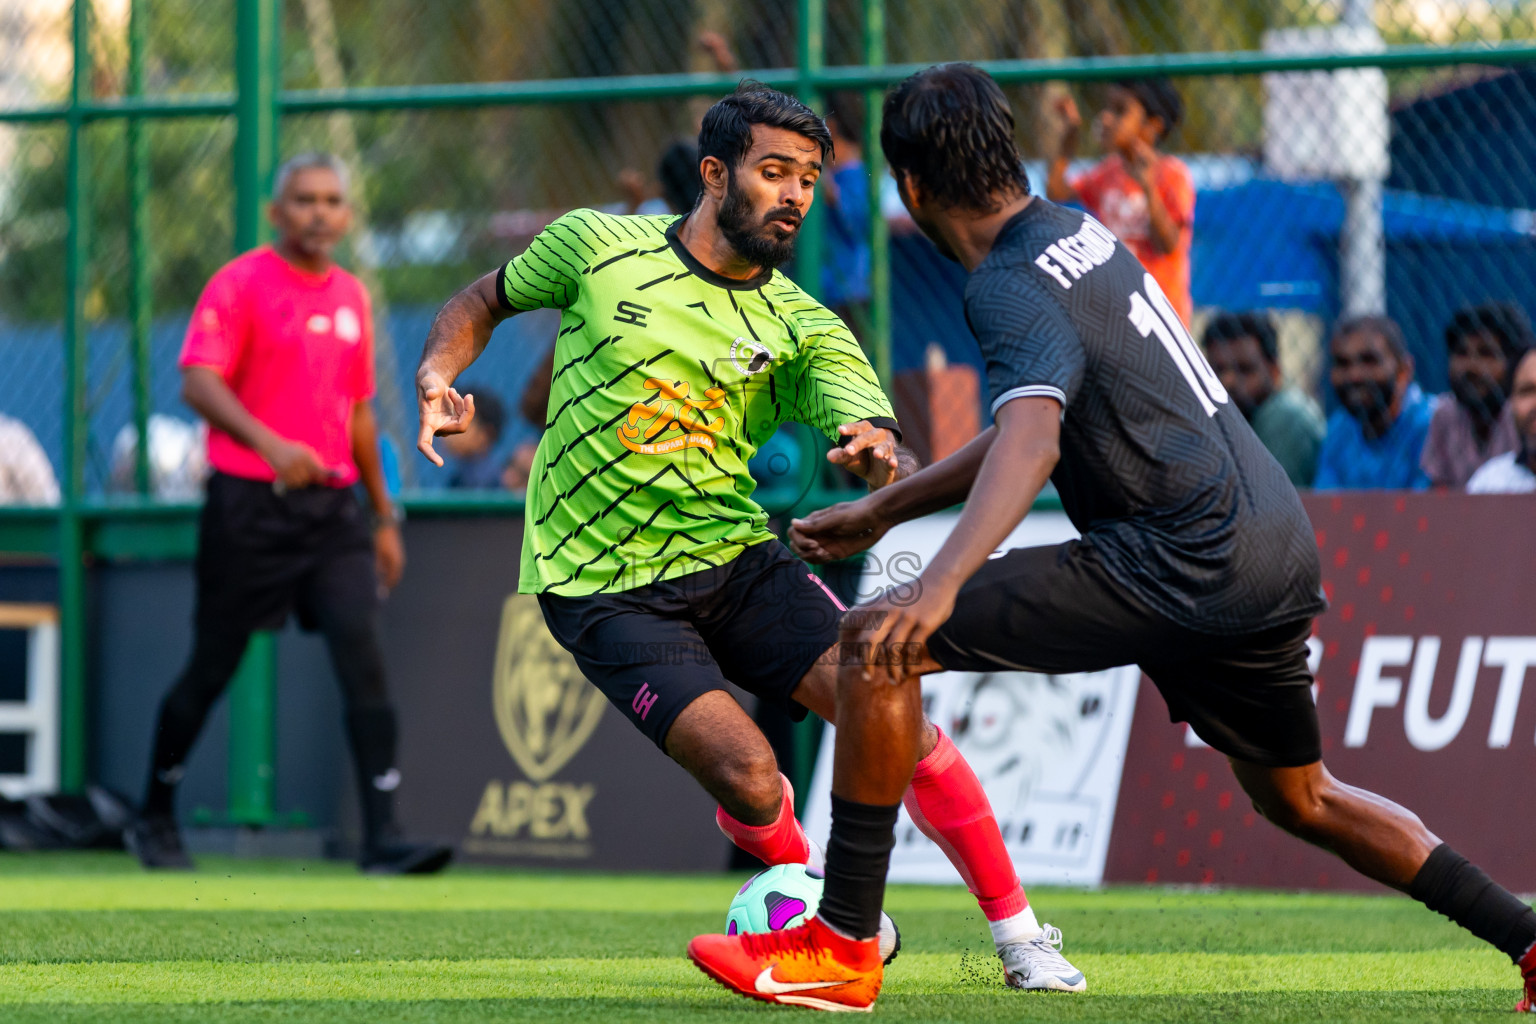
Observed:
{"x":505,"y":749}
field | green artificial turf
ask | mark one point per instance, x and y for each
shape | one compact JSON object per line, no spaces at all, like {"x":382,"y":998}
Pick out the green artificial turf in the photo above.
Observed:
{"x":88,"y":937}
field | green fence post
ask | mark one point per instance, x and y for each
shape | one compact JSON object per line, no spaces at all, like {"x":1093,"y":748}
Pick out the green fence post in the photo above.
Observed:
{"x":811,"y":58}
{"x":139,"y":296}
{"x":253,"y":734}
{"x":72,"y":724}
{"x":879,"y":340}
{"x":253,"y":692}
{"x":811,"y":53}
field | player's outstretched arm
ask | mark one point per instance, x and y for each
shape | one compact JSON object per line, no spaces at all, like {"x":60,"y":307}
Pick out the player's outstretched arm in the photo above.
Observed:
{"x":459,"y":334}
{"x":873,"y":454}
{"x":1015,"y":468}
{"x":847,"y":528}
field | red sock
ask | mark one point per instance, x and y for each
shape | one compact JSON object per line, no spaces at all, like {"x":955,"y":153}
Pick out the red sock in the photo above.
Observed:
{"x":783,"y":842}
{"x":947,"y":803}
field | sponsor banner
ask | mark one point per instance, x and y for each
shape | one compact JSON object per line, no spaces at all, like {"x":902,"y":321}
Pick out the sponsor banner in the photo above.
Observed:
{"x":1048,"y":749}
{"x":1422,"y":662}
{"x":505,"y":747}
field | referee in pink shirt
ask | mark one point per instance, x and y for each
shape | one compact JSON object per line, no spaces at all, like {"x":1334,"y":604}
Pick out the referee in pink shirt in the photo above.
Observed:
{"x":279,"y":360}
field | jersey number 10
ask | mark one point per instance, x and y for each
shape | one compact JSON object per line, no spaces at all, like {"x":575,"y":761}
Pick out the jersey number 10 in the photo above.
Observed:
{"x":1157,"y":317}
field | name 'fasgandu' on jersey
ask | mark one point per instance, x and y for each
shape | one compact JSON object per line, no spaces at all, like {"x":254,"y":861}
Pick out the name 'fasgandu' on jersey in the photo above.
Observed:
{"x":667,"y":379}
{"x":1158,"y":470}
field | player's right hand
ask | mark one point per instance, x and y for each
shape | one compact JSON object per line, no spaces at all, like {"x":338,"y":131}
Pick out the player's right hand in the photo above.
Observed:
{"x":838,"y":532}
{"x":443,"y":411}
{"x":297,"y":466}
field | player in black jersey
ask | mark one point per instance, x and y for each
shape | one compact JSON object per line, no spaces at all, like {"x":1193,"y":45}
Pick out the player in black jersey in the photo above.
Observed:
{"x":1196,"y":561}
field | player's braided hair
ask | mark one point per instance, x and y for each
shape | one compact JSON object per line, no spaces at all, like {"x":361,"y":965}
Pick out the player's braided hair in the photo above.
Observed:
{"x":950,"y":127}
{"x":726,"y":133}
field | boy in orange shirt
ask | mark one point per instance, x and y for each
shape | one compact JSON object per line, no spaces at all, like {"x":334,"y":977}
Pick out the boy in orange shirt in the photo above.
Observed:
{"x":1143,"y":195}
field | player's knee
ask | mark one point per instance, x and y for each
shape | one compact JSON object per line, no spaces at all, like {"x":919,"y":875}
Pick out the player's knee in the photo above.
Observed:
{"x":752,"y":781}
{"x":1303,"y":811}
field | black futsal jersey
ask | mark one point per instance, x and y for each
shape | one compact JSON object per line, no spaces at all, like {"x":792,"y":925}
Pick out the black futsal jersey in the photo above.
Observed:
{"x":1159,"y":470}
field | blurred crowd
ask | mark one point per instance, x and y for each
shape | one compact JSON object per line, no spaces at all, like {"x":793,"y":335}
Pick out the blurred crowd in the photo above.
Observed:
{"x":1384,"y":432}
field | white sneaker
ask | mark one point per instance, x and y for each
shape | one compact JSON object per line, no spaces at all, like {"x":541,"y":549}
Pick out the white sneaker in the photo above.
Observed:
{"x":890,"y":938}
{"x":1038,"y":964}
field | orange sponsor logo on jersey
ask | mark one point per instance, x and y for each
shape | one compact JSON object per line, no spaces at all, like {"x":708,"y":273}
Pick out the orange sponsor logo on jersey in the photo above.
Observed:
{"x":671,"y":408}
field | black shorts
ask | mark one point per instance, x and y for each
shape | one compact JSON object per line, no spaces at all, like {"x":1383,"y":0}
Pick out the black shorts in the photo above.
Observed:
{"x":761,"y":621}
{"x":262,"y":555}
{"x":1058,"y":610}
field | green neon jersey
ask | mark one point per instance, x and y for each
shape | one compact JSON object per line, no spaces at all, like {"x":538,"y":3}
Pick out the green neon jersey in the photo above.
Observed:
{"x":667,"y":378}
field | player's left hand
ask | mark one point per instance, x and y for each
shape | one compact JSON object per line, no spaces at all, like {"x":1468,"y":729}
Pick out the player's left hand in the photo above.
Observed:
{"x":389,"y":554}
{"x":894,"y":641}
{"x":869,"y":453}
{"x":837,"y":532}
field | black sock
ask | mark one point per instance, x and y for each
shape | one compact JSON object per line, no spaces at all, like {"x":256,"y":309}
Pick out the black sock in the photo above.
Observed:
{"x":1449,"y":884}
{"x":372,"y":731}
{"x":858,"y":856}
{"x":176,"y":730}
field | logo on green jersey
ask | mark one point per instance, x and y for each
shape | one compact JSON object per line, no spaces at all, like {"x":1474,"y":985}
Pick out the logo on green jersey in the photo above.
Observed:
{"x":671,"y":408}
{"x":750,"y":357}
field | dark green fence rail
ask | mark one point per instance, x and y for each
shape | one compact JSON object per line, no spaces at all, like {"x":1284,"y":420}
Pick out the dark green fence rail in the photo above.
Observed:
{"x":860,"y":34}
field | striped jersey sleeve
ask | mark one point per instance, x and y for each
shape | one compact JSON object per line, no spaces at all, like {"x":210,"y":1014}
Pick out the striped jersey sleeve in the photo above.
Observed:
{"x":548,"y":273}
{"x":836,"y":384}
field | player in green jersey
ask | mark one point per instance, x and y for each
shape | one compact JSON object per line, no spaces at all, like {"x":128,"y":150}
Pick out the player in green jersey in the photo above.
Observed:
{"x":681,"y":350}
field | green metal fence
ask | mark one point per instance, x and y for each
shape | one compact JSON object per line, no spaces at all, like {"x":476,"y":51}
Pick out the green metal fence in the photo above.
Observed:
{"x":140,"y":138}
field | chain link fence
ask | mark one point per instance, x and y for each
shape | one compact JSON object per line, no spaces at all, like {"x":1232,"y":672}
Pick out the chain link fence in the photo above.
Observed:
{"x":1407,"y":188}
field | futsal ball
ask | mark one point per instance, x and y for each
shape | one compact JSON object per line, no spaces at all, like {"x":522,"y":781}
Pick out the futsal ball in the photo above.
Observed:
{"x":781,"y":897}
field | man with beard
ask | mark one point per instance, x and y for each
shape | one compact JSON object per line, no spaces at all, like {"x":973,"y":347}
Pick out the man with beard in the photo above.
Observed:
{"x":681,"y":350}
{"x":1244,"y":351}
{"x":1514,"y":472}
{"x":1474,"y":423}
{"x":1376,"y":437}
{"x":1196,"y":560}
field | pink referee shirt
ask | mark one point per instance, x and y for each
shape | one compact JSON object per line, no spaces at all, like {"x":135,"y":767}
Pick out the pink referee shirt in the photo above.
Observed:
{"x":295,"y":348}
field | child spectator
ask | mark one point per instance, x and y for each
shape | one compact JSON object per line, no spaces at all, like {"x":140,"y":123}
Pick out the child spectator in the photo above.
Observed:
{"x":1144,"y":196}
{"x":1514,"y":472}
{"x":475,"y":466}
{"x":1473,"y":422}
{"x":1244,"y":351}
{"x":1377,"y":435}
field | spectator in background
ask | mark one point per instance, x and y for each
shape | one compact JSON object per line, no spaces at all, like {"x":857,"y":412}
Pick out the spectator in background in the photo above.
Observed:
{"x":475,"y":465}
{"x":1144,"y":196}
{"x":844,"y":193}
{"x":1514,"y":472}
{"x":678,"y":173}
{"x":1474,"y":422}
{"x":1377,"y":436}
{"x":1245,"y":353}
{"x":278,"y":359}
{"x":26,"y":475}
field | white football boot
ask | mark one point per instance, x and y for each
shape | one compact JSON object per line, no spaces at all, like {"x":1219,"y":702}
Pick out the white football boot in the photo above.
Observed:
{"x":1038,"y":964}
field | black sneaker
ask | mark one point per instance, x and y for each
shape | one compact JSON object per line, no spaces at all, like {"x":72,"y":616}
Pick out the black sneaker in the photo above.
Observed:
{"x":156,"y":841}
{"x":400,"y":858}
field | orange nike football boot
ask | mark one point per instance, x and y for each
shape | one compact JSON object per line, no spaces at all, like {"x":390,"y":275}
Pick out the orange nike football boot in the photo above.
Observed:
{"x":810,"y":965}
{"x":1528,"y":971}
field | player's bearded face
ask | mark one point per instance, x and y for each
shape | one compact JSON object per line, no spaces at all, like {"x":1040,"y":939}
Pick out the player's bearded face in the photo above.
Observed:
{"x":756,"y":236}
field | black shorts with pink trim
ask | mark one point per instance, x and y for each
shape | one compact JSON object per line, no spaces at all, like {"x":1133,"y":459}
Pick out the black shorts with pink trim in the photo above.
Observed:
{"x":760,"y":621}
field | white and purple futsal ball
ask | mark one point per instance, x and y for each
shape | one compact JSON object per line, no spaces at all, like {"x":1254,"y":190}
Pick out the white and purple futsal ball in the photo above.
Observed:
{"x":781,"y":897}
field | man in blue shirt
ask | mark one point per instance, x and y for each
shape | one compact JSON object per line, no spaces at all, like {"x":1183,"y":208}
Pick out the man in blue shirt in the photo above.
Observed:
{"x":846,"y":193}
{"x":1376,"y":436}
